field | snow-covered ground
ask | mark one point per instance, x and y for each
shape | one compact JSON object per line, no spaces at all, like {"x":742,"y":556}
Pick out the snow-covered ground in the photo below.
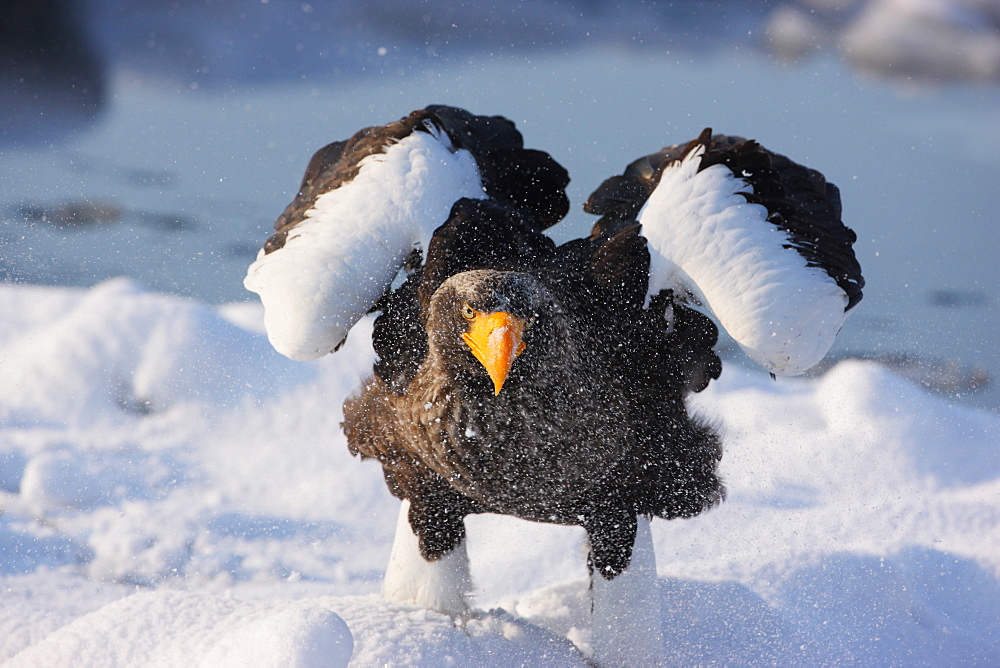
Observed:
{"x":174,"y":492}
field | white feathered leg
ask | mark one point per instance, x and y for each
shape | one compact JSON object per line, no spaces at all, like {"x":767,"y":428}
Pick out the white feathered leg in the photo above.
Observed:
{"x":627,"y":618}
{"x":441,"y":585}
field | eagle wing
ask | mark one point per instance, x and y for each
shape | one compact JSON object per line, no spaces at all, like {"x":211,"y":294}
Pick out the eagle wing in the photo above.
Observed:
{"x":751,"y":234}
{"x":366,"y":204}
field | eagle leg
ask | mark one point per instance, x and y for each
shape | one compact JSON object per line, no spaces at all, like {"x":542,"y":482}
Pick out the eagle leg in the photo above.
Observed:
{"x":440,"y":527}
{"x":611,"y":534}
{"x":626,"y":609}
{"x":442,"y":584}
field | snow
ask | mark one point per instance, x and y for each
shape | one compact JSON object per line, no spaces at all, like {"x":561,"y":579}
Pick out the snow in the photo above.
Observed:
{"x":705,"y":238}
{"x":926,"y":38}
{"x":626,"y":610}
{"x":177,"y":628}
{"x":898,"y":40}
{"x":217,"y":514}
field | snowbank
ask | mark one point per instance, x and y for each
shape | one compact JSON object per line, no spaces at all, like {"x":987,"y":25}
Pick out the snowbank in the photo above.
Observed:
{"x":925,"y":40}
{"x":174,"y":492}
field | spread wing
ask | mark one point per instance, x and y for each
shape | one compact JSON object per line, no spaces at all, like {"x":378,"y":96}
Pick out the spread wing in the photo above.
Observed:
{"x":366,"y":204}
{"x":751,"y":234}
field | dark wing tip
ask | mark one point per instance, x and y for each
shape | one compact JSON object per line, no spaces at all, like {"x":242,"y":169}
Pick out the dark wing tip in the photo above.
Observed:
{"x":524,"y":178}
{"x":620,"y":198}
{"x":472,"y":132}
{"x":530,"y":180}
{"x":336,"y":164}
{"x":801,"y":202}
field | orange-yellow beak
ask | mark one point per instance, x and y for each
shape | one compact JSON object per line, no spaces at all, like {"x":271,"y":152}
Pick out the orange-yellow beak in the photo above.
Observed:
{"x":495,"y":340}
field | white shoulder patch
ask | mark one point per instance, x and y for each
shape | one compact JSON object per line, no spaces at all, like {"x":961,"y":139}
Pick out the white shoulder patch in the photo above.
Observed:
{"x":342,"y":256}
{"x":706,"y":238}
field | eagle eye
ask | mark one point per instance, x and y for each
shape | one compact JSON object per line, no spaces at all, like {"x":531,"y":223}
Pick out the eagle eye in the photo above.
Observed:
{"x":468,"y":312}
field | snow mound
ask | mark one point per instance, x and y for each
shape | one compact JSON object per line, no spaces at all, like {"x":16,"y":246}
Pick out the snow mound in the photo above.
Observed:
{"x":177,"y":629}
{"x":938,"y":39}
{"x":391,"y":634}
{"x":120,"y":349}
{"x":170,"y":628}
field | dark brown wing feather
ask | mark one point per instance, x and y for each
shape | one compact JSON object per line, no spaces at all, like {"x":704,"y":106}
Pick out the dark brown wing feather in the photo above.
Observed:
{"x":661,"y":353}
{"x":680,"y":340}
{"x":522,"y":178}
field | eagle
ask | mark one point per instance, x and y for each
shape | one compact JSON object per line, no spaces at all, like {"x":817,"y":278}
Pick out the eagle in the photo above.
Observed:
{"x":549,"y":381}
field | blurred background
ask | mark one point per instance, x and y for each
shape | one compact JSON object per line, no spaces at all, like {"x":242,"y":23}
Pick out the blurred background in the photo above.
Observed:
{"x":160,"y":139}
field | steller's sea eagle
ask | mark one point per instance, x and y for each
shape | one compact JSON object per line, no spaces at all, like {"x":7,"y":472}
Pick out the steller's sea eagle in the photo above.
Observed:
{"x":546,"y":381}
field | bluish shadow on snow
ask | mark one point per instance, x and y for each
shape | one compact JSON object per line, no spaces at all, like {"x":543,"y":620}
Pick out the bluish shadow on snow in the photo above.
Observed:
{"x":68,"y":478}
{"x":22,"y":553}
{"x":724,"y":623}
{"x":263,"y":527}
{"x":12,"y":464}
{"x":920,"y":607}
{"x":790,"y":496}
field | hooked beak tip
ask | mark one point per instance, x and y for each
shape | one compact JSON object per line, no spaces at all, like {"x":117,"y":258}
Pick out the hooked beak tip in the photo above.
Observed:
{"x":495,"y":340}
